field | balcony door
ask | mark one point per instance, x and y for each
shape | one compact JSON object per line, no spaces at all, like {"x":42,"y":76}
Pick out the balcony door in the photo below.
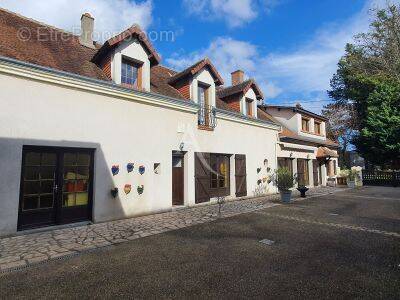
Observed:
{"x":56,"y":186}
{"x":204,"y":103}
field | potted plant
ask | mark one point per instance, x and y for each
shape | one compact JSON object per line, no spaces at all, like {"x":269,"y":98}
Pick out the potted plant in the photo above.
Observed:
{"x":285,"y":181}
{"x":351,"y":178}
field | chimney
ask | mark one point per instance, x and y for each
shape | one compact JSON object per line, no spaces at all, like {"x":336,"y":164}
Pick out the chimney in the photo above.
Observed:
{"x":87,"y":27}
{"x":237,"y":77}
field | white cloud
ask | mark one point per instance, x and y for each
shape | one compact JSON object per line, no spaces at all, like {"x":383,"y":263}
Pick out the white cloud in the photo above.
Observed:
{"x":111,"y":16}
{"x":234,"y":12}
{"x":305,"y":71}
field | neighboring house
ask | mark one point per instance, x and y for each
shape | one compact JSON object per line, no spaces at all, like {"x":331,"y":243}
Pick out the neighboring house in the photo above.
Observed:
{"x":303,"y":146}
{"x":92,"y":132}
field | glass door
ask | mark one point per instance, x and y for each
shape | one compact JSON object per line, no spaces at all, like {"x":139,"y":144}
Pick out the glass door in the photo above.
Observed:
{"x":76,"y":186}
{"x":56,"y":186}
{"x":38,"y":188}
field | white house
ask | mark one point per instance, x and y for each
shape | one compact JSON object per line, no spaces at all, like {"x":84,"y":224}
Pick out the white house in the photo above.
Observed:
{"x":92,"y":132}
{"x":303,"y":146}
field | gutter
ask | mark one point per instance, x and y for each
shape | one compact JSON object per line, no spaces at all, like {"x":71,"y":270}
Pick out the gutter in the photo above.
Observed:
{"x":49,"y":75}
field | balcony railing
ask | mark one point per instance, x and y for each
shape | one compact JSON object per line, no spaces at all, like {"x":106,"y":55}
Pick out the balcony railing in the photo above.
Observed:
{"x":207,"y":117}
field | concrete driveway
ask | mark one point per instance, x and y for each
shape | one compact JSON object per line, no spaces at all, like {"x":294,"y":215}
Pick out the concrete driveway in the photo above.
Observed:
{"x":345,"y":245}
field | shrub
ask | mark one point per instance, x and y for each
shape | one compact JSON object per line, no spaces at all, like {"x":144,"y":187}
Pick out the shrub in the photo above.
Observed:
{"x":284,"y":179}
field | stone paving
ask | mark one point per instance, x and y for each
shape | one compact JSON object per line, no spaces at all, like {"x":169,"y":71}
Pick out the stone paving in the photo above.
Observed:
{"x":24,"y":250}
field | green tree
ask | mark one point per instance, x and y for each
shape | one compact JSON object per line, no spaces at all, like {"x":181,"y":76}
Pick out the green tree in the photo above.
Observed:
{"x":367,"y":82}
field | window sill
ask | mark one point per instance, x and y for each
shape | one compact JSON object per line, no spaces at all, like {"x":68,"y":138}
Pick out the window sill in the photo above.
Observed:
{"x":204,"y":127}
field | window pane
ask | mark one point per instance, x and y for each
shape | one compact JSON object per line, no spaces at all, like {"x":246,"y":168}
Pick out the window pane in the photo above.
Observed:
{"x":32,"y":173}
{"x":46,"y":187}
{"x":69,"y":159}
{"x":81,"y":186}
{"x":32,"y":159}
{"x":82,"y":198}
{"x":176,"y":162}
{"x":49,"y":159}
{"x":47,"y":173}
{"x":83,"y":159}
{"x":69,"y":186}
{"x":82,"y":173}
{"x":30,"y":203}
{"x":31,"y":187}
{"x":69,"y":173}
{"x":46,"y":201}
{"x":68,"y":199}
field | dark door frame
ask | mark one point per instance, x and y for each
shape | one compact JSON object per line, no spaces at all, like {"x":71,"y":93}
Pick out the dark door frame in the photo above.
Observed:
{"x":181,"y":155}
{"x":57,"y":205}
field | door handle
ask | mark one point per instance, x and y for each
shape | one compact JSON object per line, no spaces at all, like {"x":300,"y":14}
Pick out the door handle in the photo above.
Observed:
{"x":55,"y":188}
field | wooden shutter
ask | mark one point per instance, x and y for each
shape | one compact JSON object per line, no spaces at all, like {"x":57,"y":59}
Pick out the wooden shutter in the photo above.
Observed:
{"x":315,"y":172}
{"x":202,"y":177}
{"x":240,"y":175}
{"x":302,"y":172}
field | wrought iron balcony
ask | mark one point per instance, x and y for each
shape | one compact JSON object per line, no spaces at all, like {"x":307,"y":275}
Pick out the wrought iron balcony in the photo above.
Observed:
{"x":207,"y":117}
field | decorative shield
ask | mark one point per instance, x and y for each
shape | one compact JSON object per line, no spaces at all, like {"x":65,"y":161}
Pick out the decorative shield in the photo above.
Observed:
{"x":115,"y":170}
{"x":127,"y":188}
{"x":142,"y":169}
{"x":140,"y":189}
{"x":130,"y":167}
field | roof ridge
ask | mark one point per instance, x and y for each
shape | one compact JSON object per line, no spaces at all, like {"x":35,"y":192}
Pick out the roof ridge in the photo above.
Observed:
{"x":36,"y":21}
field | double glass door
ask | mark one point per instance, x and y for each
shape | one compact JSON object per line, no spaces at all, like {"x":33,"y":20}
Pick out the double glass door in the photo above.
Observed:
{"x":56,"y":186}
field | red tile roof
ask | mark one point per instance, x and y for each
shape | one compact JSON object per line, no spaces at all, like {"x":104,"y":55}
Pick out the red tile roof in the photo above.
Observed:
{"x":241,"y":88}
{"x":31,"y":41}
{"x":197,"y":67}
{"x":133,"y":32}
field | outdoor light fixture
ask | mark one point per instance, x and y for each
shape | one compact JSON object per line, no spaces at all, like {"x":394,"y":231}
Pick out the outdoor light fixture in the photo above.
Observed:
{"x":181,"y":146}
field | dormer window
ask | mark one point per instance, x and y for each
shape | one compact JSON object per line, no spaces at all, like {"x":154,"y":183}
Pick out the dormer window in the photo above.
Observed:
{"x":131,"y":74}
{"x":305,"y":124}
{"x":249,"y":107}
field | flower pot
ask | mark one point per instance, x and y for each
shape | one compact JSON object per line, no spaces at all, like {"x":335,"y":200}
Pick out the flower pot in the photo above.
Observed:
{"x":302,"y":190}
{"x":286,"y":196}
{"x":351,"y":184}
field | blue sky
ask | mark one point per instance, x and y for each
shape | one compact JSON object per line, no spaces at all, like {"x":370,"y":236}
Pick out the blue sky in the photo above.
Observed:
{"x":291,"y":47}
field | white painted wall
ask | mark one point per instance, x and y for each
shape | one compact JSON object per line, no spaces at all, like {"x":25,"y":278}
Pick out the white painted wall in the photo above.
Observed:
{"x":131,"y":49}
{"x":204,"y":76}
{"x":286,"y":117}
{"x":120,"y":131}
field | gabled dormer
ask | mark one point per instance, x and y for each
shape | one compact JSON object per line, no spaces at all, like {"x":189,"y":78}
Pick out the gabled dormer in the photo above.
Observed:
{"x":242,"y":96}
{"x":198,"y":83}
{"x":298,"y":120}
{"x":127,"y":59}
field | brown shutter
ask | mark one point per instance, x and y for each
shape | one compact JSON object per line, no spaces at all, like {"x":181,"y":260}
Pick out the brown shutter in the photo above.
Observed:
{"x":140,"y":78}
{"x":240,"y":175}
{"x":315,"y":172}
{"x":202,"y":177}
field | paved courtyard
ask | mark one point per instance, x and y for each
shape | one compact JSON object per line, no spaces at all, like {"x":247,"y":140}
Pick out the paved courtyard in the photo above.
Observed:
{"x":342,"y":245}
{"x":24,"y":250}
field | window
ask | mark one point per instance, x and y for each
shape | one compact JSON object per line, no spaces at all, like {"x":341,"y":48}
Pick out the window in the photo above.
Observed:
{"x":205,"y":115}
{"x":305,"y":124}
{"x":317,"y":128}
{"x":219,"y":171}
{"x":131,"y":74}
{"x":249,"y":107}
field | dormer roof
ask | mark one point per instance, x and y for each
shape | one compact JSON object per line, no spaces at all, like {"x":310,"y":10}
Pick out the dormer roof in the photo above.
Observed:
{"x":297,"y":109}
{"x":196,"y":68}
{"x":243,"y":87}
{"x":133,"y":32}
